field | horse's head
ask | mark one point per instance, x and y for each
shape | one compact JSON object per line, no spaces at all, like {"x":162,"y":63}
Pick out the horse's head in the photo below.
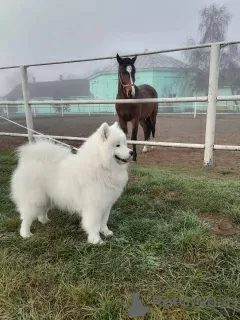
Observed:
{"x":126,"y":75}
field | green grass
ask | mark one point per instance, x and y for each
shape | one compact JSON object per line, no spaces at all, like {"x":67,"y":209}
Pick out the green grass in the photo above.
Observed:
{"x":159,"y":247}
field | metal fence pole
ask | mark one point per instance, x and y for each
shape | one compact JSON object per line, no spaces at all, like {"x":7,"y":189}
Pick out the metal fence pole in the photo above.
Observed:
{"x":195,"y":110}
{"x":34,"y":111}
{"x":28,"y":111}
{"x":211,"y":108}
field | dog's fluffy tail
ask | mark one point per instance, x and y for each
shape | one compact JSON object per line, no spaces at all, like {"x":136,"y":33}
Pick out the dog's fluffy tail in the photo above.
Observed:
{"x":42,"y":150}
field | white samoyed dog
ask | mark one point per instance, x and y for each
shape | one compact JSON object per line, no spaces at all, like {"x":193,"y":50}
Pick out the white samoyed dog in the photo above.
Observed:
{"x":87,"y":183}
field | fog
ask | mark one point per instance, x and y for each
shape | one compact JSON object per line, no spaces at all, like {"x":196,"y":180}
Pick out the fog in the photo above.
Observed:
{"x":32,"y":31}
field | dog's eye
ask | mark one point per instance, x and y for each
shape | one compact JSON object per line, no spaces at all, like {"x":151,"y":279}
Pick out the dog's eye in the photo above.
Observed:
{"x":118,"y":145}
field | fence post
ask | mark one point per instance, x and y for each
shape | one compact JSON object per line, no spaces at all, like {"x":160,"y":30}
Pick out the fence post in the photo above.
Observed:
{"x":34,"y":111}
{"x":211,"y":108}
{"x":195,"y":109}
{"x":28,"y":111}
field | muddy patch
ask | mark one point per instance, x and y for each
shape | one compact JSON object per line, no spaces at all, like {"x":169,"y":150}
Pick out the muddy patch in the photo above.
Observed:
{"x":219,"y":224}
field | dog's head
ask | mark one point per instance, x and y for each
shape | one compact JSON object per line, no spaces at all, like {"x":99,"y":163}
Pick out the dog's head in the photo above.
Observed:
{"x":114,"y":143}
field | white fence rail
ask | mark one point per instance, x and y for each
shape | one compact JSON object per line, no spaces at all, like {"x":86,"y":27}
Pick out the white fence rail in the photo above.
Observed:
{"x":211,"y":99}
{"x":157,"y":144}
{"x":194,"y":109}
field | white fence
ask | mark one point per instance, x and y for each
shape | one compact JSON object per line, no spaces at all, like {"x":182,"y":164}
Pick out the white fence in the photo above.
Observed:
{"x":192,"y":109}
{"x":38,"y":111}
{"x":211,"y":100}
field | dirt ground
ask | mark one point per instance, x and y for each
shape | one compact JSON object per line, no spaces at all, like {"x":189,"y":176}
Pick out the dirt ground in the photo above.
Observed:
{"x":219,"y":224}
{"x":169,"y":128}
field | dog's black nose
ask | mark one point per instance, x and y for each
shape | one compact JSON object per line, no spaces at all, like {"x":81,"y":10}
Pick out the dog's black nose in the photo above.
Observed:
{"x":131,"y":153}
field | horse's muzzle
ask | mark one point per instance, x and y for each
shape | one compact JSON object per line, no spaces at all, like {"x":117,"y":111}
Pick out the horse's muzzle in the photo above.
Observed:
{"x":129,"y":94}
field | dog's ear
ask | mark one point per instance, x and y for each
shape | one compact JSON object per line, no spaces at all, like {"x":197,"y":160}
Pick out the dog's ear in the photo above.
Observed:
{"x":104,"y":131}
{"x":116,"y":125}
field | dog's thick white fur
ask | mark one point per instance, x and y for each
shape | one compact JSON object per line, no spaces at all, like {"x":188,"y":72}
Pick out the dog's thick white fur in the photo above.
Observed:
{"x":87,"y":183}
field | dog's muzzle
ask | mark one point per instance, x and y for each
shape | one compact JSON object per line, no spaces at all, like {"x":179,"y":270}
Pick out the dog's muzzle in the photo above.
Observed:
{"x":120,"y":160}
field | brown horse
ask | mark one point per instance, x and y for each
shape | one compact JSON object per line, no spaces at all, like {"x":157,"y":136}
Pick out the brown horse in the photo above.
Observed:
{"x":143,"y":113}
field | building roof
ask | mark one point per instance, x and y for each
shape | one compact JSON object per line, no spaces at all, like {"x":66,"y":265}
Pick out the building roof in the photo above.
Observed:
{"x":148,"y":62}
{"x":56,"y":89}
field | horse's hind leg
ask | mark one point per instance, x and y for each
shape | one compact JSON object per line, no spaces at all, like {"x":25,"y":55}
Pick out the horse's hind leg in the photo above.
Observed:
{"x":153,"y":122}
{"x":134,"y":137}
{"x":146,"y":125}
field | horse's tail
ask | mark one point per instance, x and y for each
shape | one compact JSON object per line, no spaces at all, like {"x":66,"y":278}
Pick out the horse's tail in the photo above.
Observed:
{"x":148,"y":127}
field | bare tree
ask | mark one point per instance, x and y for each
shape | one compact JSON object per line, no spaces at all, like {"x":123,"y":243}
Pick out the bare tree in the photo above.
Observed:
{"x":167,"y":92}
{"x":213,"y":26}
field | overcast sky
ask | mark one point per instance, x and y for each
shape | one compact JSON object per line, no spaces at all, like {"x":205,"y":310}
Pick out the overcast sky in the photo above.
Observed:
{"x":33,"y":31}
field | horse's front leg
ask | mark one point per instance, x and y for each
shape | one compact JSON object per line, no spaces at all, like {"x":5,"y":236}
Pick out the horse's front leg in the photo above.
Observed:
{"x":123,"y":125}
{"x":134,"y":137}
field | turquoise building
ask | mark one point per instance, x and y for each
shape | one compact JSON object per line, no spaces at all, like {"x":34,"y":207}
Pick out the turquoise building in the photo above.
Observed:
{"x":222,"y":106}
{"x":169,"y":76}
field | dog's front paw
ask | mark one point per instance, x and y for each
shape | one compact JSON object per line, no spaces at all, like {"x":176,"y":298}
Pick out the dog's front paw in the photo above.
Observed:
{"x":106,"y":232}
{"x":95,"y":240}
{"x":25,"y":235}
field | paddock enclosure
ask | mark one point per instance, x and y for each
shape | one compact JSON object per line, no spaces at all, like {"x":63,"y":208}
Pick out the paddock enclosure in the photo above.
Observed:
{"x":200,"y":134}
{"x":169,"y":128}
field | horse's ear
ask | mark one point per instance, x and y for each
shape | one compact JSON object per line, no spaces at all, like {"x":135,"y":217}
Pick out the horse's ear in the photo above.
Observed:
{"x":119,"y":59}
{"x":134,"y":59}
{"x":116,"y":125}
